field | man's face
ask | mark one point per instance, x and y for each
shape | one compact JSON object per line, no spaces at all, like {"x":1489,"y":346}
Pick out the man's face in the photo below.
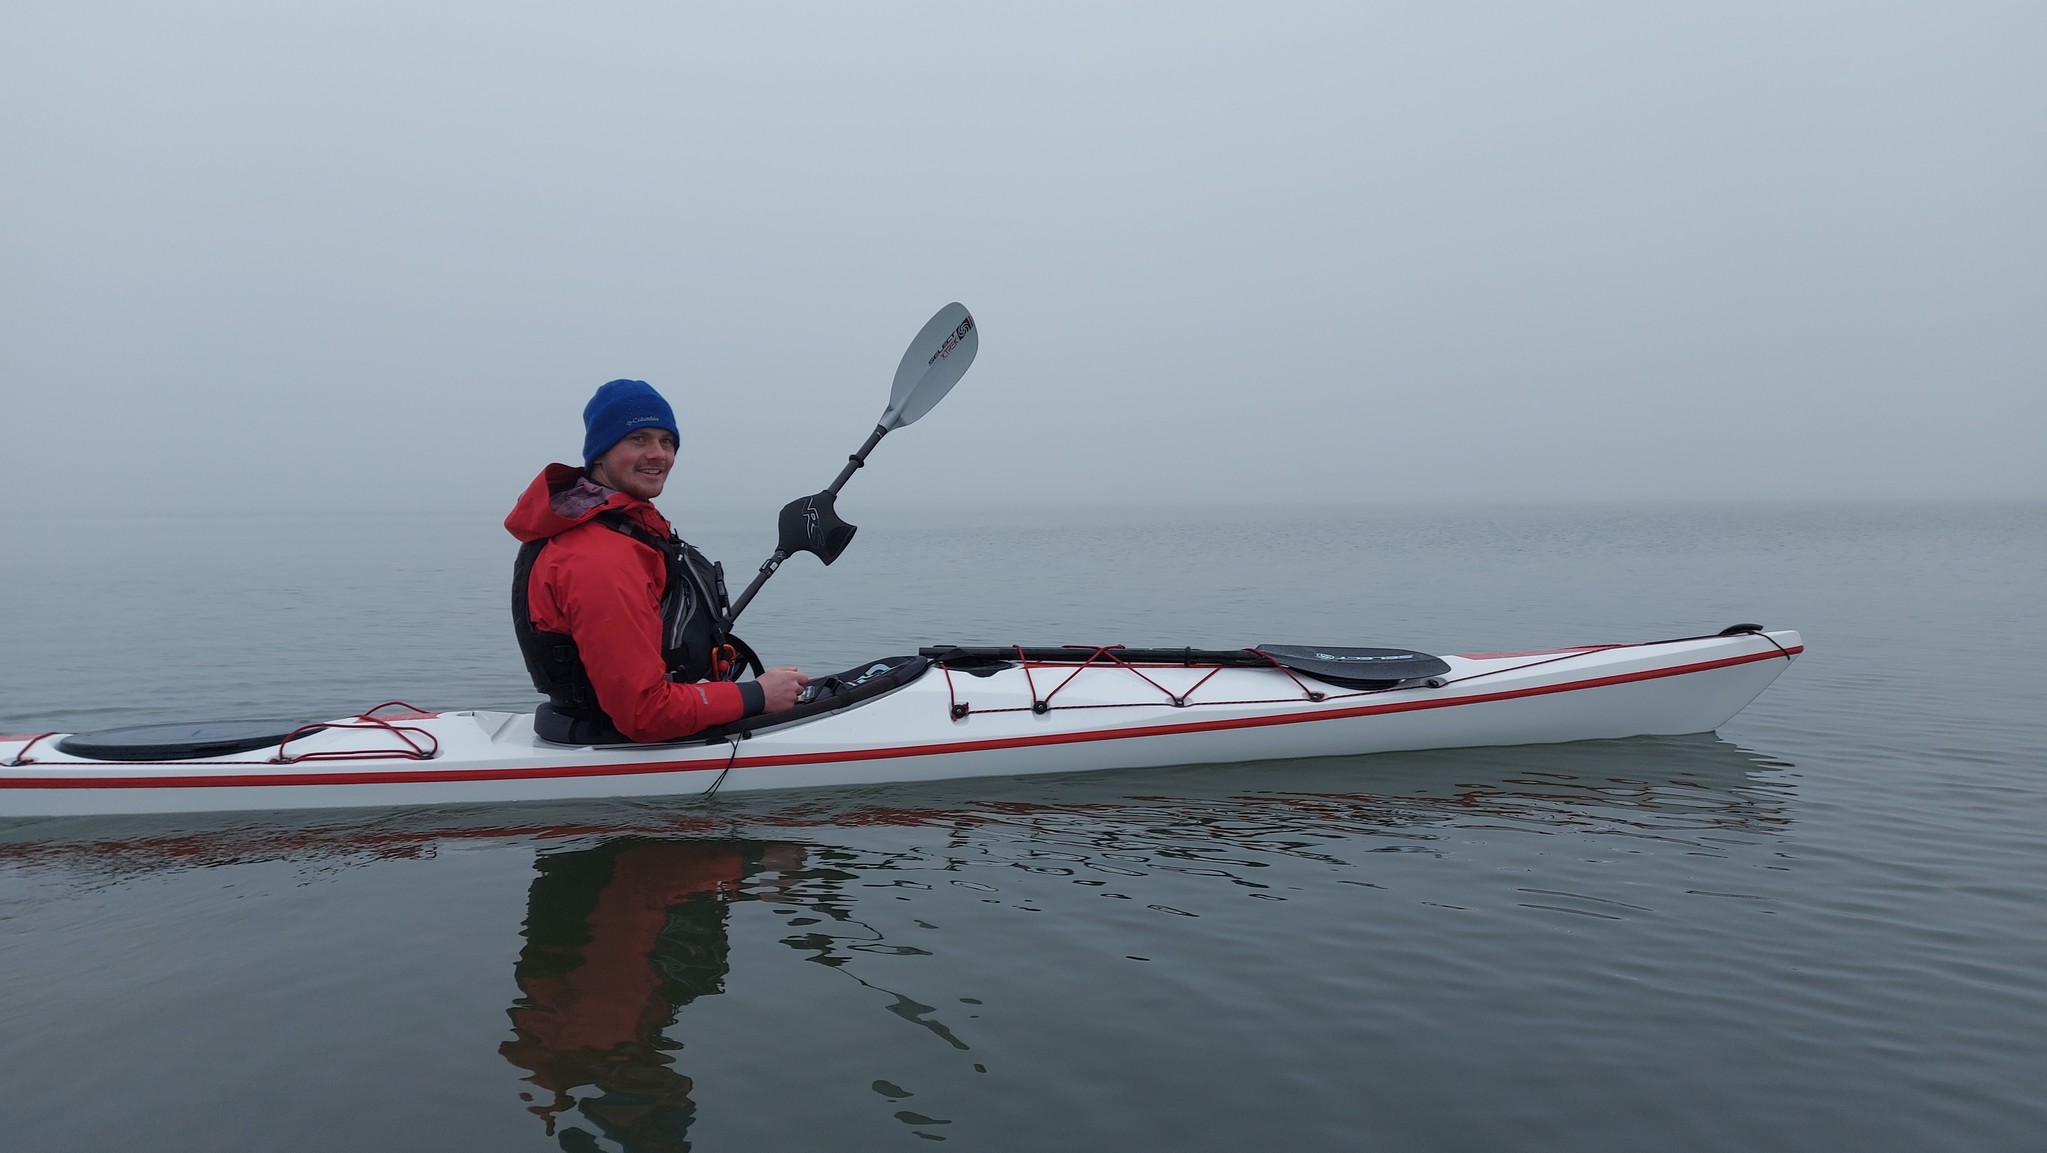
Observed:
{"x":638,"y":465}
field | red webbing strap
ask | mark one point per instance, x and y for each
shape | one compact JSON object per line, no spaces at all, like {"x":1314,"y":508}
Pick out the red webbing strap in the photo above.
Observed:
{"x":1567,"y":654}
{"x":1156,"y":704}
{"x":1120,"y":662}
{"x":424,"y":749}
{"x":21,"y":758}
{"x":1562,"y":656}
{"x":1094,"y":653}
{"x":954,"y":705}
{"x":1311,"y":694}
{"x":411,"y":713}
{"x":1039,"y":704}
{"x":1109,"y":658}
{"x":1189,"y":694}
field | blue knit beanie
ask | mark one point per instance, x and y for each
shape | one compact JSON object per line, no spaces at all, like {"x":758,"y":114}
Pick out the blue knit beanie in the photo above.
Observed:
{"x":621,"y":408}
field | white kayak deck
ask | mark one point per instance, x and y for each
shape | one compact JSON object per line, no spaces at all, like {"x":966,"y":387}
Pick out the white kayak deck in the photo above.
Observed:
{"x":948,"y":723}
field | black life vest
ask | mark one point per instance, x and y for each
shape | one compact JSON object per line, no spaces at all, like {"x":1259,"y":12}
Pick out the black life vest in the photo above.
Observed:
{"x":693,"y":634}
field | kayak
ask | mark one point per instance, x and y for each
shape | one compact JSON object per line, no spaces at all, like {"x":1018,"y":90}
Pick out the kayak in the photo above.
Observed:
{"x":947,"y":712}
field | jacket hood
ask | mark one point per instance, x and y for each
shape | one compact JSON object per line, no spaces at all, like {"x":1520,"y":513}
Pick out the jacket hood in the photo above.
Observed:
{"x":561,"y":498}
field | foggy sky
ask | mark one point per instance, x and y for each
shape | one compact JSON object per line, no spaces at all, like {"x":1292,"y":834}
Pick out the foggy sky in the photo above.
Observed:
{"x":376,"y":256}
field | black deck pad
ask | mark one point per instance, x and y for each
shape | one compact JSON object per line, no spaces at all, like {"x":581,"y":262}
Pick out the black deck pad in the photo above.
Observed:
{"x":1357,"y":668}
{"x":856,"y":685}
{"x":180,"y":740}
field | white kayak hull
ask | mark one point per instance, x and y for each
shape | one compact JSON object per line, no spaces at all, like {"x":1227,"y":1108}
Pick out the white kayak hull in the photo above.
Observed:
{"x":947,"y":724}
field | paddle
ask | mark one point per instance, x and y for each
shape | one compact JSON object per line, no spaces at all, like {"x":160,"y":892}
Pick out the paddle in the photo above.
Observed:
{"x":934,"y":362}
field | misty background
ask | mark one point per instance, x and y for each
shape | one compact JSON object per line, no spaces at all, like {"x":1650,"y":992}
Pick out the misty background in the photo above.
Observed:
{"x":376,"y":256}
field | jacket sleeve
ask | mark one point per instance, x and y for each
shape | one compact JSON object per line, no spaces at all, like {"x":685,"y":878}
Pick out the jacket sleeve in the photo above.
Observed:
{"x":607,"y":591}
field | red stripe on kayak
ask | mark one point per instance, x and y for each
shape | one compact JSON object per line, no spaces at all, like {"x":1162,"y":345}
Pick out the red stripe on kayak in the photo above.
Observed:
{"x":443,"y":776}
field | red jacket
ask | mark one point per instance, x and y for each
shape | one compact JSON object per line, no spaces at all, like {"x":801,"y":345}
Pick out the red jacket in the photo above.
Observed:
{"x":603,"y":589}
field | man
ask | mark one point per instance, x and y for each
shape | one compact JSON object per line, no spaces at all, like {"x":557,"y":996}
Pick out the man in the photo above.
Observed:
{"x":621,"y":623}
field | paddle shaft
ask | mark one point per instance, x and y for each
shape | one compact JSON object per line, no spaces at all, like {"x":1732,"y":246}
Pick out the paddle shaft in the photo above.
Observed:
{"x":858,"y":460}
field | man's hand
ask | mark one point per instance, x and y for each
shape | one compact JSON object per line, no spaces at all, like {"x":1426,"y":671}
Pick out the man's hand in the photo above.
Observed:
{"x":780,"y":686}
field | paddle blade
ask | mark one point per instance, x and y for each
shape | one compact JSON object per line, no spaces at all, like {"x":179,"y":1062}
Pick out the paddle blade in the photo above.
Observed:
{"x":935,"y":362}
{"x":811,"y":524}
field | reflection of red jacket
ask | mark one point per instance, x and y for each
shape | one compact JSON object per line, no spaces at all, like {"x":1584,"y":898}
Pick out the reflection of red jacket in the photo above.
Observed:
{"x":610,"y":995}
{"x":603,"y":589}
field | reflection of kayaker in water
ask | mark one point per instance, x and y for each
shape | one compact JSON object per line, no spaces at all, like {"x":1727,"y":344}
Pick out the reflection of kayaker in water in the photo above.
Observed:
{"x":618,"y":938}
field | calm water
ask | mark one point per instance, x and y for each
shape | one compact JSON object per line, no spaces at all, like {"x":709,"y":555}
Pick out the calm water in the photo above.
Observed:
{"x":1824,"y":927}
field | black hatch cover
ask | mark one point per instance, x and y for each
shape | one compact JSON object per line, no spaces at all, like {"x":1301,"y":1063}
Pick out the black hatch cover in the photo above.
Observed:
{"x":179,"y":740}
